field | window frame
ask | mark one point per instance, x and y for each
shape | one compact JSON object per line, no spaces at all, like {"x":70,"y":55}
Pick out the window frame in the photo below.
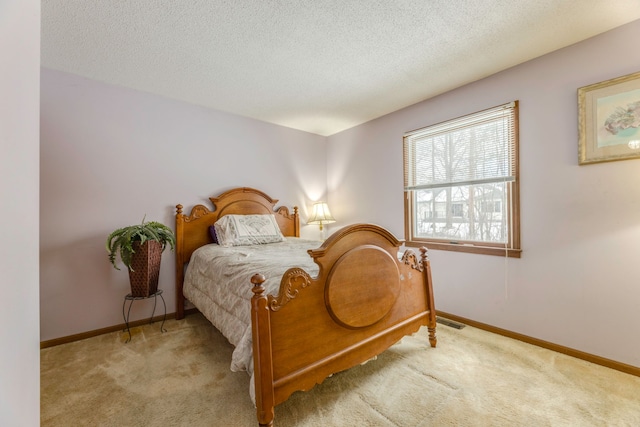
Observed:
{"x":512,"y":248}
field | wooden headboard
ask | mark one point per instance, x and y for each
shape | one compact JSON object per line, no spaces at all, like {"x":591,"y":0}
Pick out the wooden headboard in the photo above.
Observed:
{"x":192,"y":231}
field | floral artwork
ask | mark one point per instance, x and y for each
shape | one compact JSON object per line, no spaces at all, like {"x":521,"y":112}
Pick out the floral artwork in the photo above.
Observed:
{"x":623,"y":122}
{"x":609,"y":120}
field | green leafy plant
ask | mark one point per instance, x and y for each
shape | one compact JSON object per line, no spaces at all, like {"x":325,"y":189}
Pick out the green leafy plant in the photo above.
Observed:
{"x":121,"y":240}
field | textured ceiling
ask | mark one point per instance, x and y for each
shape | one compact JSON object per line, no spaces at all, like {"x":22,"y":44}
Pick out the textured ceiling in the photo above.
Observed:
{"x":321,"y":66}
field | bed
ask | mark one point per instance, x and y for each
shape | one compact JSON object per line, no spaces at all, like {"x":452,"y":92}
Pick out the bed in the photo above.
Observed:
{"x":345,"y":301}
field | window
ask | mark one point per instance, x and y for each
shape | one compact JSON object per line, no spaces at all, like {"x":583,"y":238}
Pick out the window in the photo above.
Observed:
{"x":461,"y":184}
{"x":457,"y":209}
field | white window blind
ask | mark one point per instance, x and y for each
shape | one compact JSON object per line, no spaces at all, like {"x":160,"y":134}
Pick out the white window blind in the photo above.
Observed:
{"x":474,"y":149}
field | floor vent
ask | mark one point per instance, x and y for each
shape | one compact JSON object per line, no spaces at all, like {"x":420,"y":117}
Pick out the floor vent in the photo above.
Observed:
{"x":450,"y":323}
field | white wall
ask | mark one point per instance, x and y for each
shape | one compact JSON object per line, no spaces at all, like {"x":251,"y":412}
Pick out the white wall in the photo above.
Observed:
{"x":110,"y":156}
{"x":577,"y":283}
{"x":19,"y":98}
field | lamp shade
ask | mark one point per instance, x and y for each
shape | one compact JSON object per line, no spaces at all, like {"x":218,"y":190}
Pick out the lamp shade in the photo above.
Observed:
{"x":321,"y":214}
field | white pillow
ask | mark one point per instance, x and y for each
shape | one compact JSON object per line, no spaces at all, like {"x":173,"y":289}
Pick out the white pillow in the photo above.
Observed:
{"x":242,"y":230}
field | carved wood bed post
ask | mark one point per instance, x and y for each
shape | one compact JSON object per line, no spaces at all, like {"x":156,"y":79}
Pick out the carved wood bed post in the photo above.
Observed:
{"x":426,"y":271}
{"x":262,"y":359}
{"x":296,"y":222}
{"x":179,"y":263}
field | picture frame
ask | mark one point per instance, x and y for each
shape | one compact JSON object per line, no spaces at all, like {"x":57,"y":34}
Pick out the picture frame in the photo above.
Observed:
{"x":609,"y":120}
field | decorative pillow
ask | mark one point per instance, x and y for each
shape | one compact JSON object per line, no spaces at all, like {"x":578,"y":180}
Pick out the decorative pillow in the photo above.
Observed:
{"x":243,"y":230}
{"x":212,"y":233}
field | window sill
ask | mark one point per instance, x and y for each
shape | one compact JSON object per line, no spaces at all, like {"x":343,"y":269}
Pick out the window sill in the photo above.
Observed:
{"x":473,"y":249}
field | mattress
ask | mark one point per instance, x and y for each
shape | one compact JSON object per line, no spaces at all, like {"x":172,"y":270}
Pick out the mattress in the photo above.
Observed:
{"x":218,"y":283}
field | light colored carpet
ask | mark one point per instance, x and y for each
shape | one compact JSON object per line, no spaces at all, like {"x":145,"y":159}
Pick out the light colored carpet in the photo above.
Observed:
{"x":473,"y":378}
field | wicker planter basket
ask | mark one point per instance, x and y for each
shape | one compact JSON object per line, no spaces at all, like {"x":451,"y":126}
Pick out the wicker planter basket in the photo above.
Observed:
{"x":145,"y":268}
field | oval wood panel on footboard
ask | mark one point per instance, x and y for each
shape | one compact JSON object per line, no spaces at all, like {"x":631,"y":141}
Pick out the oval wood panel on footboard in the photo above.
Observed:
{"x":364,"y":299}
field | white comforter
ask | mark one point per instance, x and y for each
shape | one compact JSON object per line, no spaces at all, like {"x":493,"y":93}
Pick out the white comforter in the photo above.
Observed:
{"x":218,"y":283}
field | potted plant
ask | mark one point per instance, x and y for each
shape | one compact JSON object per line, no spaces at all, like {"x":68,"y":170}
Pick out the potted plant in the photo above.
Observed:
{"x":140,"y":248}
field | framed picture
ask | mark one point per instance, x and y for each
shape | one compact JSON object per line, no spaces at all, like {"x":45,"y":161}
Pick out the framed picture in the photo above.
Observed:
{"x":609,"y":120}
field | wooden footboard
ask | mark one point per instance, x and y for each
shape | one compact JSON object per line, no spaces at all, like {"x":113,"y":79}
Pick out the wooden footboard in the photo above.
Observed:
{"x":363,"y":300}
